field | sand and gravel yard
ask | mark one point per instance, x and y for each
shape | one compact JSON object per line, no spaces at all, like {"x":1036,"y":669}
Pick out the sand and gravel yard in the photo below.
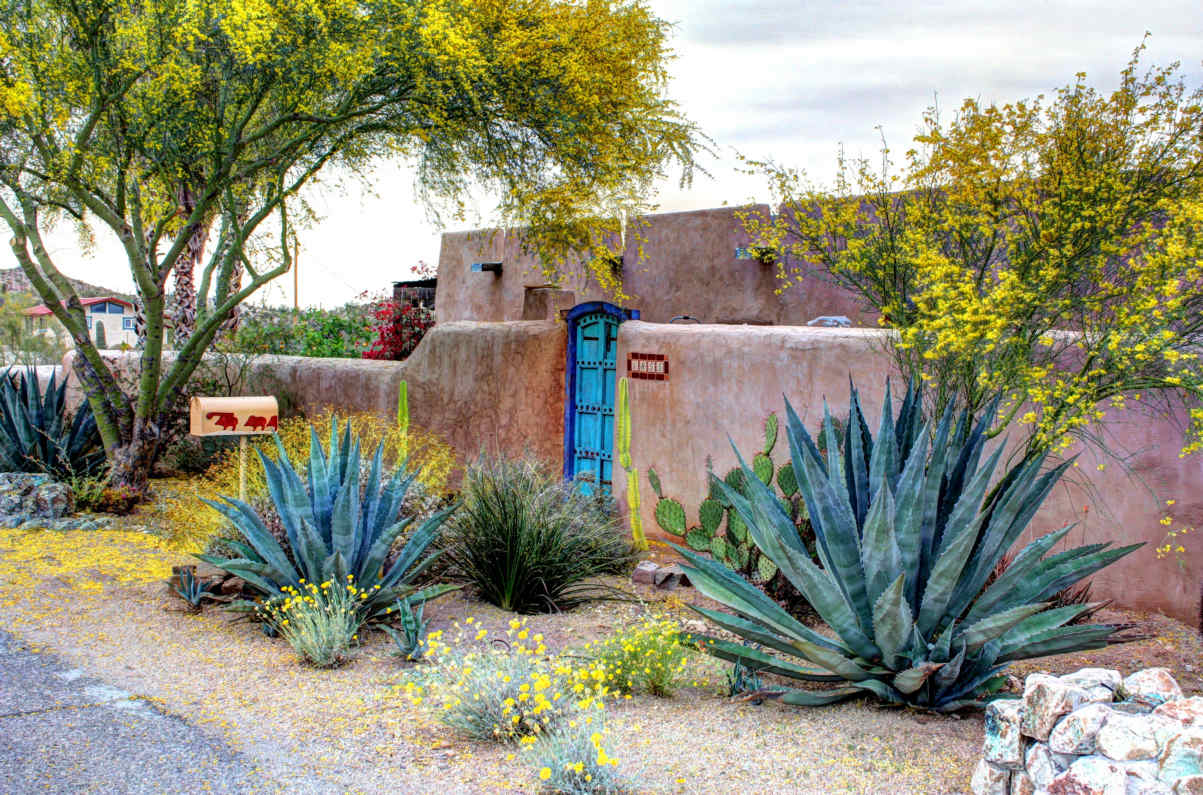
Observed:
{"x":96,"y":601}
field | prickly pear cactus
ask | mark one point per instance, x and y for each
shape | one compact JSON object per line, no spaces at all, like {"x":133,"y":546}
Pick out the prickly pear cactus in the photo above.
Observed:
{"x":762,"y":465}
{"x":670,"y":515}
{"x":710,"y":514}
{"x":786,"y":481}
{"x":770,"y":434}
{"x":403,"y":417}
{"x":654,"y":479}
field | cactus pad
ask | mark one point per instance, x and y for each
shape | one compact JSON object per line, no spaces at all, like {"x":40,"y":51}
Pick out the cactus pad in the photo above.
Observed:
{"x":786,"y":480}
{"x":736,"y":529}
{"x":710,"y":512}
{"x":670,"y":515}
{"x":762,"y":465}
{"x":770,"y":434}
{"x":654,"y":479}
{"x":735,"y":479}
{"x":698,"y":539}
{"x":720,"y":549}
{"x":765,"y":569}
{"x":741,"y":554}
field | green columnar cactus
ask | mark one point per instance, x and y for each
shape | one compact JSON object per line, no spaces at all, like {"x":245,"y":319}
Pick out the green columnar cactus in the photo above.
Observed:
{"x":622,"y":433}
{"x":403,"y":416}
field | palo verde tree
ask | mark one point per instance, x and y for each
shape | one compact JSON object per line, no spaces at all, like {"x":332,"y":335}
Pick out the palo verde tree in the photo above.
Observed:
{"x":1048,"y":252}
{"x":187,"y":129}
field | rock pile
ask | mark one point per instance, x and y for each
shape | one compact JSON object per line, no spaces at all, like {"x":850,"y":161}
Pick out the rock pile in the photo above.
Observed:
{"x":1094,"y":732}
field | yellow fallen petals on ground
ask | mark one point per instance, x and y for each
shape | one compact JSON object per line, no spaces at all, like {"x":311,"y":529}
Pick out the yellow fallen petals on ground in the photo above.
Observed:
{"x":82,"y":560}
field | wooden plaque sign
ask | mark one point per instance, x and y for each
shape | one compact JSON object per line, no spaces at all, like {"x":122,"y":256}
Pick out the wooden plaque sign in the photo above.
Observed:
{"x":233,"y":416}
{"x":647,"y":366}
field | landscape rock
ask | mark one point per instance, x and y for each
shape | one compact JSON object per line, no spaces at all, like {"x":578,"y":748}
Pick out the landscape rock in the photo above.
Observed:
{"x":1142,"y":779}
{"x":645,"y":573}
{"x":1076,"y":732}
{"x":1091,"y":775}
{"x":990,"y":779}
{"x":33,"y":499}
{"x":1004,"y":744}
{"x":1021,"y":784}
{"x":1182,"y":756}
{"x":669,"y":577}
{"x":1045,"y":700}
{"x":1152,"y":685}
{"x":1127,"y":737}
{"x":1186,"y":711}
{"x":1044,"y":765}
{"x":1189,"y":785}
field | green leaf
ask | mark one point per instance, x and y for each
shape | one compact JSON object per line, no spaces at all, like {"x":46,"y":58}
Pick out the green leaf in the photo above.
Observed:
{"x":892,"y":619}
{"x":912,"y":679}
{"x":880,"y":556}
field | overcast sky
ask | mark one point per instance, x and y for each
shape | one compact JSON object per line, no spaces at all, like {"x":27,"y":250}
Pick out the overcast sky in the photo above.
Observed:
{"x":787,"y":81}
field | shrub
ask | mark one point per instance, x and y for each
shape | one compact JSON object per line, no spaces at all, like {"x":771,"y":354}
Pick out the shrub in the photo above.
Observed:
{"x":320,"y":621}
{"x":340,"y":526}
{"x":35,"y":434}
{"x":573,"y":760}
{"x":646,"y":658}
{"x":907,"y":542}
{"x":514,"y":692}
{"x":528,"y":542}
{"x":398,"y":328}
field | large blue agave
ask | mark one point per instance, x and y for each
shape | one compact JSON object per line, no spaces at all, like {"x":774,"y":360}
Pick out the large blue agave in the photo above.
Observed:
{"x":906,"y":541}
{"x":336,"y":528}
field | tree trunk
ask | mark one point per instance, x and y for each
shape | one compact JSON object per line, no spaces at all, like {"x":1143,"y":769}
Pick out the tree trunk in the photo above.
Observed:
{"x":184,"y":312}
{"x":229,"y":326}
{"x":131,"y":462}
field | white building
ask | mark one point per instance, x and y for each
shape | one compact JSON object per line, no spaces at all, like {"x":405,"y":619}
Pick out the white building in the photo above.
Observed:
{"x":114,"y":315}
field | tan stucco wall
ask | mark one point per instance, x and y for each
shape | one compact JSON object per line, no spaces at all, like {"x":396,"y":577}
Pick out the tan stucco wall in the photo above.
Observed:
{"x":674,"y":264}
{"x":725,"y":380}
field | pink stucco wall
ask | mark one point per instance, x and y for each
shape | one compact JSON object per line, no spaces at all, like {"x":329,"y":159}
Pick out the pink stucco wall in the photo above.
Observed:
{"x":725,"y":380}
{"x":674,"y":264}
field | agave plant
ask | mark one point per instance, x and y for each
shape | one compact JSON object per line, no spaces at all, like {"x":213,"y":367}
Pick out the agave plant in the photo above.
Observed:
{"x":336,"y":529}
{"x":906,"y":542}
{"x":35,"y":435}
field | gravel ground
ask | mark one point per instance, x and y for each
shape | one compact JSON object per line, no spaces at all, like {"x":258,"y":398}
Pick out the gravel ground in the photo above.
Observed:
{"x":97,"y":601}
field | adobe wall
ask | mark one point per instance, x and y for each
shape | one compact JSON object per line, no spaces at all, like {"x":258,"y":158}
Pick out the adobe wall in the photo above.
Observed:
{"x":725,"y":380}
{"x":674,"y":264}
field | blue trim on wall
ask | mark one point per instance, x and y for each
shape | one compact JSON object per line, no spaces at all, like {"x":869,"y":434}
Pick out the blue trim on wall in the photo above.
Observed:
{"x":572,"y":316}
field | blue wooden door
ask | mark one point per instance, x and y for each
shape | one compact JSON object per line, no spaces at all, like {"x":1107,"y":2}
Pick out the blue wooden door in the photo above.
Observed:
{"x":596,"y":338}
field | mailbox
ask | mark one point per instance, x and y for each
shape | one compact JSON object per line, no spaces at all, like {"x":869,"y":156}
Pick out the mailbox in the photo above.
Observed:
{"x":233,"y":416}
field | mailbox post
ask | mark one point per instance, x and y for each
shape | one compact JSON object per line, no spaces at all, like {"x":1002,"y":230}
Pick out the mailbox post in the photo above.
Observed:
{"x":234,"y":416}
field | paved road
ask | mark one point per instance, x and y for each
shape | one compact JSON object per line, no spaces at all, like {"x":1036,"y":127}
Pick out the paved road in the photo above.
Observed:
{"x":61,"y":731}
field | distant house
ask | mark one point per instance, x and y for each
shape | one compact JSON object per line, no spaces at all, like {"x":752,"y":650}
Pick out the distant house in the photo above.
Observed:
{"x":114,"y":315}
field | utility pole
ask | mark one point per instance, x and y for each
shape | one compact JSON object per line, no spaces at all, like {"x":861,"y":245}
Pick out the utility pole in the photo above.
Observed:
{"x":296,"y":278}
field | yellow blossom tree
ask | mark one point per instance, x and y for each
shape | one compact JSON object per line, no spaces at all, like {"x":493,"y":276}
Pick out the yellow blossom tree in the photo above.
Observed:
{"x":166,"y":122}
{"x":1045,"y":253}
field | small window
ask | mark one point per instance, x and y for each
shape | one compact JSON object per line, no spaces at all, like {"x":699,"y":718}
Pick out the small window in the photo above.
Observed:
{"x":127,"y":323}
{"x":115,"y":309}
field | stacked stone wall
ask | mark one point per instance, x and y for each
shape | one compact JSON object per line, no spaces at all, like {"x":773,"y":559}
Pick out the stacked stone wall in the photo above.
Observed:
{"x":1094,"y":732}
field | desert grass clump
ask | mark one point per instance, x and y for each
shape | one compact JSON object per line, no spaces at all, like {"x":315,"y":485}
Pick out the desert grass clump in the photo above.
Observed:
{"x":528,"y":542}
{"x":649,"y":657}
{"x":320,"y":622}
{"x":574,"y":761}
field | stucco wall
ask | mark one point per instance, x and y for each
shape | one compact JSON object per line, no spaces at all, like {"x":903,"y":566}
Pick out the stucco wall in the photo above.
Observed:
{"x":674,"y":264}
{"x":725,"y":380}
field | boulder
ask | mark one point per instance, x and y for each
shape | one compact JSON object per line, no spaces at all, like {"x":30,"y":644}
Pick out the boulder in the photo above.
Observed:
{"x":990,"y":779}
{"x":1128,"y":737}
{"x":1182,"y":756}
{"x":1045,"y":700}
{"x":1076,"y":732}
{"x":1021,"y":784}
{"x":1152,"y":685}
{"x":1044,"y":765}
{"x":645,"y":573}
{"x":33,"y":499}
{"x":1186,"y":711}
{"x":1004,"y":744}
{"x":1142,"y":779}
{"x":1091,"y":775}
{"x":1189,"y":785}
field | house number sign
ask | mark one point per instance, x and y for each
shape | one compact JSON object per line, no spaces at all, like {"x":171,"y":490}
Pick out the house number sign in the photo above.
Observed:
{"x":647,"y":366}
